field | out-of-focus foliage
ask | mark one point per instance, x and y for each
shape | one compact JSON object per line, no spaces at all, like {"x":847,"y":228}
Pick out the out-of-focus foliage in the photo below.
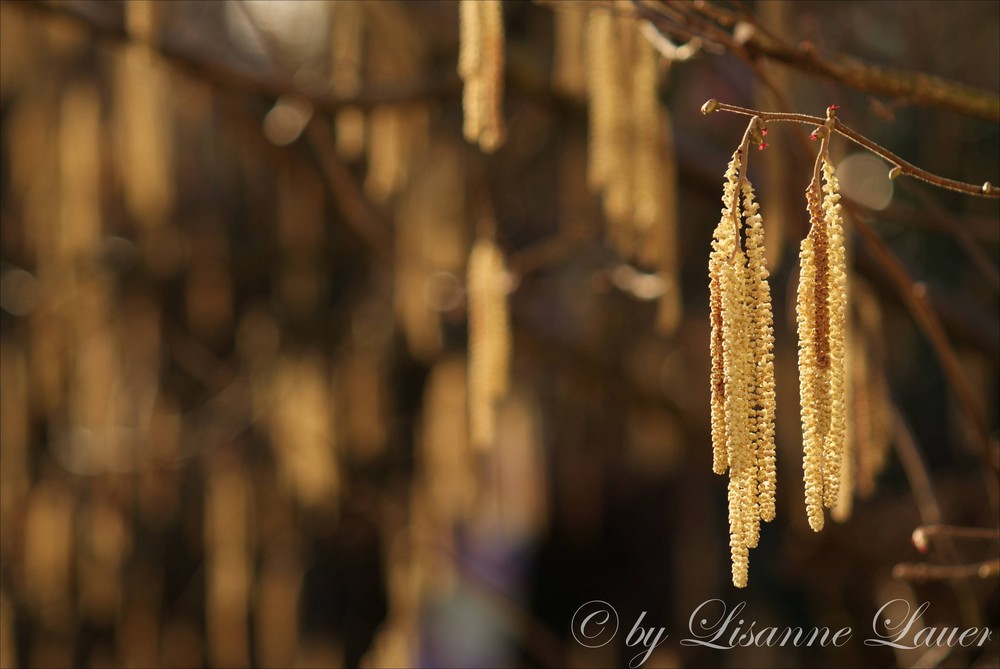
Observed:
{"x":233,"y":371}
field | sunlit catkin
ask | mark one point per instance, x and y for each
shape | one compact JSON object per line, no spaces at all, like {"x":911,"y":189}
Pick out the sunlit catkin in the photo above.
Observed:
{"x":834,"y":445}
{"x":737,"y":403}
{"x":762,"y":340}
{"x":811,"y":384}
{"x":481,"y":68}
{"x":723,"y":247}
{"x":489,"y":339}
{"x":601,"y":105}
{"x":821,"y":314}
{"x":841,"y":511}
{"x":742,"y":367}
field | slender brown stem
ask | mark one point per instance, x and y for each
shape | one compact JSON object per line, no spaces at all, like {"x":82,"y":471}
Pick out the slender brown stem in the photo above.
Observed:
{"x":751,"y":39}
{"x":929,"y":510}
{"x":914,"y":296}
{"x":821,"y":155}
{"x":904,"y":167}
{"x":931,"y":531}
{"x":923,"y":571}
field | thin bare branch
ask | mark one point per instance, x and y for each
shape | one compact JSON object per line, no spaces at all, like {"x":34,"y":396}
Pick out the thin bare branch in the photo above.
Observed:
{"x":914,"y":296}
{"x":900,"y":166}
{"x":922,"y":571}
{"x":916,"y":87}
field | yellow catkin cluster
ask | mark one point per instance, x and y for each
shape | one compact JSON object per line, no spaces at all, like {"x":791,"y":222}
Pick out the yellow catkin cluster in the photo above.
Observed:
{"x":742,"y":343}
{"x":489,"y":339}
{"x":821,"y":311}
{"x":872,"y":421}
{"x":481,"y":67}
{"x":630,"y":158}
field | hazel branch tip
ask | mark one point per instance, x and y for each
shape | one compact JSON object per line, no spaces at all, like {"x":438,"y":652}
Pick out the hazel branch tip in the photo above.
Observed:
{"x":832,"y":124}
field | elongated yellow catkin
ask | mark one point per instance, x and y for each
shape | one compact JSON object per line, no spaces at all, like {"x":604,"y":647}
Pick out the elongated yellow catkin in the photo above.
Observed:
{"x":446,"y":464}
{"x":395,"y":135}
{"x":811,"y":379}
{"x":742,"y":344}
{"x":489,"y":339}
{"x":656,"y":203}
{"x":600,"y":104}
{"x":762,"y":350}
{"x":821,"y":313}
{"x":470,"y":57}
{"x":494,"y":131}
{"x":841,"y":511}
{"x":142,"y":102}
{"x":834,"y":444}
{"x":648,"y":145}
{"x":568,"y":75}
{"x":723,"y":247}
{"x":227,"y":559}
{"x":481,"y":68}
{"x":738,"y":377}
{"x":872,"y":416}
{"x":619,"y":183}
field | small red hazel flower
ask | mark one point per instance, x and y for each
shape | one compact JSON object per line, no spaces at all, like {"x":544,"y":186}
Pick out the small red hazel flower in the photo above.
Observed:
{"x":762,"y":146}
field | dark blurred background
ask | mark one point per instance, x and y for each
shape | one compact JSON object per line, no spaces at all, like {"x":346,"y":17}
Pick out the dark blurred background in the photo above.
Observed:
{"x":233,"y":343}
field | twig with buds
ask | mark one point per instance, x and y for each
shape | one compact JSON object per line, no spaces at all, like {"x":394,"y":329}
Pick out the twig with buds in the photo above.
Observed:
{"x":900,"y":167}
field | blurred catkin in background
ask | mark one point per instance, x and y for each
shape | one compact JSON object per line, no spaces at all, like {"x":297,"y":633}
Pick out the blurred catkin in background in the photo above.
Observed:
{"x":378,"y":333}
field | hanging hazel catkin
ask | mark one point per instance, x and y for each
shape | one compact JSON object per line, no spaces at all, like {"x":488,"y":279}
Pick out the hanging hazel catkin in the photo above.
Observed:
{"x":481,"y":68}
{"x":489,"y":339}
{"x":742,"y":345}
{"x":655,"y":181}
{"x":821,"y":311}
